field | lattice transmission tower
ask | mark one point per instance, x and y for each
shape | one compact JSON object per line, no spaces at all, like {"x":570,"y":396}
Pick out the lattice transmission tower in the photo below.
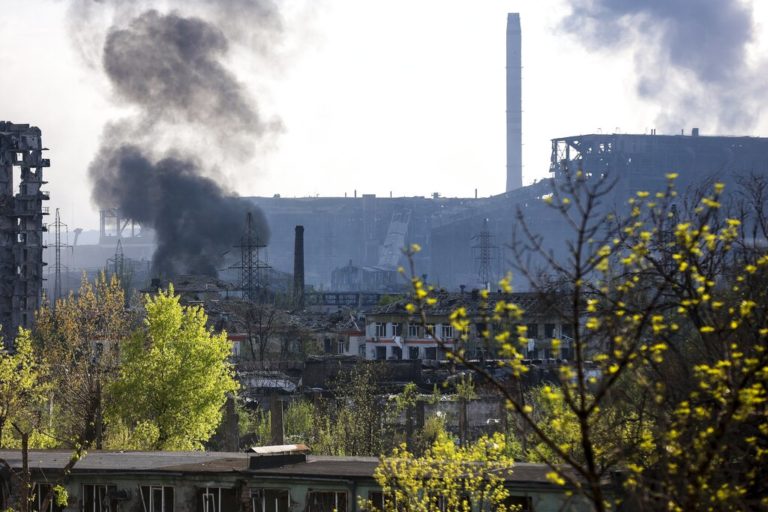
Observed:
{"x":116,"y":264}
{"x":486,"y":254}
{"x":57,"y":266}
{"x":254,"y":272}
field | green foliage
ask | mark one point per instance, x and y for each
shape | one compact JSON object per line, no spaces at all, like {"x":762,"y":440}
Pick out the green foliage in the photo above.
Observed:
{"x":174,"y":377}
{"x":357,"y":415}
{"x":465,"y":387}
{"x":407,"y":398}
{"x":666,"y":381}
{"x":299,"y":420}
{"x":24,"y":389}
{"x":446,"y":477}
{"x":61,"y":496}
{"x":390,"y":299}
{"x":614,"y":427}
{"x":81,"y":338}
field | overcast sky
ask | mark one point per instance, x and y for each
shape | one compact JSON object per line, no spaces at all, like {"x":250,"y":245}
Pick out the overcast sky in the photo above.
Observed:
{"x":402,"y":96}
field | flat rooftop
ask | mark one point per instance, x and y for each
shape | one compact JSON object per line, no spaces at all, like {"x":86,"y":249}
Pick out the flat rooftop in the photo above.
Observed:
{"x":116,"y":462}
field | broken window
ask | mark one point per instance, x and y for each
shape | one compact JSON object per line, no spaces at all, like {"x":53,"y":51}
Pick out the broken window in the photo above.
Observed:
{"x":39,"y":493}
{"x":533,"y":330}
{"x":377,"y":500}
{"x":413,"y":352}
{"x":270,"y":500}
{"x":442,"y":502}
{"x":521,"y":503}
{"x":381,"y":353}
{"x":326,"y":501}
{"x":430,"y":353}
{"x":397,"y":353}
{"x":97,"y":498}
{"x":217,"y":499}
{"x":397,"y":329}
{"x":549,"y":330}
{"x":157,"y":498}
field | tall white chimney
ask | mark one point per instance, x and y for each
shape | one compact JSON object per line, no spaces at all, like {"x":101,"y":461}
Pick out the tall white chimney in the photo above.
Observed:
{"x":514,"y":104}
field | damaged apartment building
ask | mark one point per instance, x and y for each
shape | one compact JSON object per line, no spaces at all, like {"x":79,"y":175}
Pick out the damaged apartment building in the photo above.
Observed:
{"x":21,"y":225}
{"x":392,"y":333}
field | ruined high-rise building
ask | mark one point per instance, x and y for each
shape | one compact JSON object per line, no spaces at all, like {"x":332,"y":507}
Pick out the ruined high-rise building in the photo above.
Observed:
{"x":21,"y":226}
{"x":514,"y":104}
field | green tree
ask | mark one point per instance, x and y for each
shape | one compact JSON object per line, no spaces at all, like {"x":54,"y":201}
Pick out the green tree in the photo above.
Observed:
{"x":24,"y":392}
{"x":81,"y":336}
{"x":666,"y":307}
{"x":446,"y":477}
{"x":174,"y":377}
{"x":23,"y":387}
{"x":353,"y":422}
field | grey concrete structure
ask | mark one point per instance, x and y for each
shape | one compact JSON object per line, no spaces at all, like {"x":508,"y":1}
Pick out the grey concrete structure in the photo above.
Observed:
{"x":21,"y":225}
{"x":514,"y":103}
{"x":641,"y":162}
{"x":347,"y":239}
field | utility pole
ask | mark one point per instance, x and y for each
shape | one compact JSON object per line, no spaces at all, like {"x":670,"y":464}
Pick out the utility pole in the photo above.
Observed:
{"x":57,"y":245}
{"x":117,"y":263}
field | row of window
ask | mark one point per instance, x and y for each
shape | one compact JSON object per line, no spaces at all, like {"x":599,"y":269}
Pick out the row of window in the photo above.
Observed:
{"x":414,"y":330}
{"x":447,"y":331}
{"x":160,"y":498}
{"x":393,"y":352}
{"x":381,"y":353}
{"x":518,"y":503}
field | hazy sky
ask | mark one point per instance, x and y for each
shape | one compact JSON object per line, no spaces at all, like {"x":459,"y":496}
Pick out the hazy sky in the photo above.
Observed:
{"x":402,"y":96}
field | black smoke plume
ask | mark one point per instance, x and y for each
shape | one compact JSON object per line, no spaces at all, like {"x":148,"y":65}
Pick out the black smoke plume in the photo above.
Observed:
{"x":691,"y":55}
{"x":169,"y":65}
{"x":194,"y":220}
{"x":170,"y":68}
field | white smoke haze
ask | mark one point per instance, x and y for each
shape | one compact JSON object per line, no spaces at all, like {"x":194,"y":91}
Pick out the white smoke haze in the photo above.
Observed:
{"x":692,"y":57}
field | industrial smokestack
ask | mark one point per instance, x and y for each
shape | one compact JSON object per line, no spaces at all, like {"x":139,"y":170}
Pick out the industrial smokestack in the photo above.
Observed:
{"x":514,"y":104}
{"x":298,"y":268}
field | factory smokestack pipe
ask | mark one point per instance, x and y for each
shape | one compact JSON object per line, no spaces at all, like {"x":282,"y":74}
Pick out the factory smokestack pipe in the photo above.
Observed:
{"x":514,"y":104}
{"x":298,"y":268}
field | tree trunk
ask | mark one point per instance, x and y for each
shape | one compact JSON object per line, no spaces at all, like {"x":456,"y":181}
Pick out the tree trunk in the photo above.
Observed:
{"x":98,"y":420}
{"x":26,"y":477}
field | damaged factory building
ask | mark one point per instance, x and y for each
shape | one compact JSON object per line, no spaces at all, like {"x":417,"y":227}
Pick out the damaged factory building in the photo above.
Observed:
{"x":354,"y":243}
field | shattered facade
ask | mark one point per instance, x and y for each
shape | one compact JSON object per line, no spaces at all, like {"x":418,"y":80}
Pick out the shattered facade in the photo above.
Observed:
{"x":21,"y":225}
{"x":640,"y":162}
